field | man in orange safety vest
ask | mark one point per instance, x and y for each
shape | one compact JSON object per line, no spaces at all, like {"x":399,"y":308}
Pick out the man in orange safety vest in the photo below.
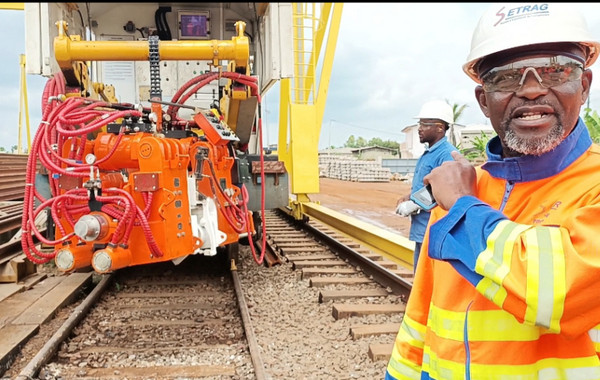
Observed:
{"x":508,"y":282}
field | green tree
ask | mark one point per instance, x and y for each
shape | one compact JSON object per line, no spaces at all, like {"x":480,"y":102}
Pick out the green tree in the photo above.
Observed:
{"x":476,"y":153}
{"x":351,"y":142}
{"x":361,"y":142}
{"x":376,"y":141}
{"x":457,"y":111}
{"x":592,"y":120}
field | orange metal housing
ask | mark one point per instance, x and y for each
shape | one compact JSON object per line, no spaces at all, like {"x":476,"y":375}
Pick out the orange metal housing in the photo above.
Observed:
{"x":156,"y":170}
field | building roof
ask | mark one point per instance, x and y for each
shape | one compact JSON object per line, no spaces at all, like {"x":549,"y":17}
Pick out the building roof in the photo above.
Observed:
{"x":479,"y":127}
{"x":409,"y":127}
{"x":337,"y":151}
{"x":355,"y":150}
{"x":374,"y":148}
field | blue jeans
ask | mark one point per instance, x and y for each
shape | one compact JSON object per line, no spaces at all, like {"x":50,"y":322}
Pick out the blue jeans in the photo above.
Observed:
{"x":416,"y":255}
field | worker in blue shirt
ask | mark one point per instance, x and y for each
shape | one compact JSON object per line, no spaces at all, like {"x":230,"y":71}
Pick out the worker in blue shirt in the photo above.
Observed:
{"x":435,"y":119}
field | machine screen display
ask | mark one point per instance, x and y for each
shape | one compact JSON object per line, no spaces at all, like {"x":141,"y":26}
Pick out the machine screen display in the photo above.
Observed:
{"x":193,"y":26}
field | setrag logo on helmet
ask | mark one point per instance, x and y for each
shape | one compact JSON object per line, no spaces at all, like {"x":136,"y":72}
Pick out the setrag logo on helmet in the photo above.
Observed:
{"x":512,"y":25}
{"x":522,"y":12}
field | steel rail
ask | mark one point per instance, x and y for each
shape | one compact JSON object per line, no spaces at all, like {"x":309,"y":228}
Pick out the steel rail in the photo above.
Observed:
{"x":50,"y":348}
{"x":380,"y":274}
{"x":392,"y":245}
{"x":259,"y":367}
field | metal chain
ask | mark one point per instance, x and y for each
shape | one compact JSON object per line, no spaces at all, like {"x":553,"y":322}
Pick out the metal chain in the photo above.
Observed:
{"x":154,"y":58}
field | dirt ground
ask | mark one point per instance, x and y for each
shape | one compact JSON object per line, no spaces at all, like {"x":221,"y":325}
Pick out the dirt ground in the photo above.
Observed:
{"x":372,"y":202}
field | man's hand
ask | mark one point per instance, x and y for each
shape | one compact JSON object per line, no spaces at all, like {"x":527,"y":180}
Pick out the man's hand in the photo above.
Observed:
{"x":452,"y":180}
{"x":408,"y":208}
{"x":403,"y":199}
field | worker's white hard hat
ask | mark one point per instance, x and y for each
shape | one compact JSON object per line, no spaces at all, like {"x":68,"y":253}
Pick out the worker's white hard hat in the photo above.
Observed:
{"x":436,"y":109}
{"x":511,"y":25}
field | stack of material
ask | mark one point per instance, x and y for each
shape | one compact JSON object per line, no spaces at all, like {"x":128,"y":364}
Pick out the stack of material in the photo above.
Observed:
{"x":352,"y":169}
{"x":12,"y":171}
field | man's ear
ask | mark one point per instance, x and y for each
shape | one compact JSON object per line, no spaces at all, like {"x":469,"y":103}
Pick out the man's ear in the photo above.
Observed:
{"x":482,"y":100}
{"x":586,"y":83}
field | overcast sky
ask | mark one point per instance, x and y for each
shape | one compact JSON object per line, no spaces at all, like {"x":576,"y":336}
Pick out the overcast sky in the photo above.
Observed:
{"x":390,"y":59}
{"x":393,"y":57}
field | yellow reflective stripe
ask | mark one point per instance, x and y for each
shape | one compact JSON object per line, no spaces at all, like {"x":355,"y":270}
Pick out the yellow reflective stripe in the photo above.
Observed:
{"x":532,"y":280}
{"x":412,"y":332}
{"x":546,"y":288}
{"x":505,"y":328}
{"x":446,"y":324}
{"x":494,"y":262}
{"x":403,"y":369}
{"x":560,"y":279}
{"x":442,"y":369}
{"x":545,"y":369}
{"x":492,"y":291}
{"x":546,"y":278}
{"x":450,"y":325}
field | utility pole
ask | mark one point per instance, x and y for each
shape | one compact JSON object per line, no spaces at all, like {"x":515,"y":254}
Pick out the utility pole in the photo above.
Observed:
{"x":23,"y":105}
{"x":329,"y":145}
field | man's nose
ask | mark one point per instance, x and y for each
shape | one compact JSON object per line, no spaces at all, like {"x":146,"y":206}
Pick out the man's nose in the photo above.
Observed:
{"x":531,"y":85}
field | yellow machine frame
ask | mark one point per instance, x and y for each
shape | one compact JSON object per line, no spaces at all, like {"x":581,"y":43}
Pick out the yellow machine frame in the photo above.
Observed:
{"x":302,"y":105}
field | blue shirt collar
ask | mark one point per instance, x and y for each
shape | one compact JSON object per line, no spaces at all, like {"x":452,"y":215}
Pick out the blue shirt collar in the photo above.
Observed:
{"x":437,"y":144}
{"x":531,"y":168}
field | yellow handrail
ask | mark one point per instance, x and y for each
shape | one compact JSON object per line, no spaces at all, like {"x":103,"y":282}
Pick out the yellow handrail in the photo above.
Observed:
{"x":14,"y":6}
{"x":315,"y":28}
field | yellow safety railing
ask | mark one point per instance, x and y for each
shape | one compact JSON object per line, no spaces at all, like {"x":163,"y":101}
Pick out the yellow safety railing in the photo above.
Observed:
{"x":14,"y":6}
{"x":306,"y":23}
{"x":302,"y":99}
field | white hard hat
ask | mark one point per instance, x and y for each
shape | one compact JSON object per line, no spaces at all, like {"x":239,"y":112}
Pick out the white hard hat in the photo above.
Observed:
{"x":510,"y":25}
{"x":436,"y":109}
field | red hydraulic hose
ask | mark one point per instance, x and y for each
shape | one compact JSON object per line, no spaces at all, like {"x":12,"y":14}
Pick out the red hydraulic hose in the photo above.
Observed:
{"x":252,"y":83}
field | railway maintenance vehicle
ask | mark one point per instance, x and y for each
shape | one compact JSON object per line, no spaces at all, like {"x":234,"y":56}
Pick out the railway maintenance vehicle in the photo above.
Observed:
{"x":150,"y":144}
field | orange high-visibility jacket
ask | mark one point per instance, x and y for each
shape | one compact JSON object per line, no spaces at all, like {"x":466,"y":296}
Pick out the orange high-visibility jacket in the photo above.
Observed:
{"x":510,"y":287}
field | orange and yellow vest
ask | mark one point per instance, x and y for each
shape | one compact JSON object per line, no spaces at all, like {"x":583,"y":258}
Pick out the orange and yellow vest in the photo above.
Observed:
{"x":510,"y":285}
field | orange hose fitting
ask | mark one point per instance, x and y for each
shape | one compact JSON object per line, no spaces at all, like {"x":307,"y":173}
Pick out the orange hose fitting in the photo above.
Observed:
{"x":109,"y":259}
{"x":67,"y":261}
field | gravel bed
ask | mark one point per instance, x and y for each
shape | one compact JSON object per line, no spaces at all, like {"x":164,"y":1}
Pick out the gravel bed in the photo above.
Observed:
{"x":299,"y":337}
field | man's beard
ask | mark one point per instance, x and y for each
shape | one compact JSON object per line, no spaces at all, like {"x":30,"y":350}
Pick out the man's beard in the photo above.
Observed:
{"x":535,"y":146}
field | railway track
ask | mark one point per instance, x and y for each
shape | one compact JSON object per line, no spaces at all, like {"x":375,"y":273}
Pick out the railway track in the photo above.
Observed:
{"x":354,"y":281}
{"x":156,"y":321}
{"x":163,"y":321}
